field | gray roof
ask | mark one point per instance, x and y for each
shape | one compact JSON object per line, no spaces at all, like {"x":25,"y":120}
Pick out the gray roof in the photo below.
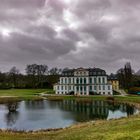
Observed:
{"x":112,"y":77}
{"x":92,"y":72}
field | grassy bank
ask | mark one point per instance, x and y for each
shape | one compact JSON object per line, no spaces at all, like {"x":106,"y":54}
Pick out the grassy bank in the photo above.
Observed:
{"x":33,"y":93}
{"x":133,"y":99}
{"x":122,"y":129}
{"x":12,"y":94}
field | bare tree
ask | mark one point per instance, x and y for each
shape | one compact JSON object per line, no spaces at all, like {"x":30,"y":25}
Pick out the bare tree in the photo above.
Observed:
{"x":36,"y":73}
{"x":55,"y":71}
{"x":14,"y":72}
{"x":125,"y":76}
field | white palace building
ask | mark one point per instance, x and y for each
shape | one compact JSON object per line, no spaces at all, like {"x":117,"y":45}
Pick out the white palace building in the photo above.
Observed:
{"x":83,"y":82}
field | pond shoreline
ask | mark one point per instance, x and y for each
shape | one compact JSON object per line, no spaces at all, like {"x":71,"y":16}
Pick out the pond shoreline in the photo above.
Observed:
{"x":56,"y":98}
{"x":77,"y":125}
{"x":116,"y":129}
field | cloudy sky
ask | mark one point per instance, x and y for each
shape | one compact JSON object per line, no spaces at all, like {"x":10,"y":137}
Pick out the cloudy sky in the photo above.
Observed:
{"x":70,"y":33}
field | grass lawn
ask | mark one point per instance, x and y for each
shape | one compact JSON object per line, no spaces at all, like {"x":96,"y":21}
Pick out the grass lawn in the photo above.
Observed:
{"x":122,"y":129}
{"x":129,"y":98}
{"x":23,"y":93}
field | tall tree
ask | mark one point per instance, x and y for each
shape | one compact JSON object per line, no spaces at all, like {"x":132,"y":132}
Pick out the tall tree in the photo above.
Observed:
{"x":36,"y":74}
{"x":125,"y":76}
{"x":55,"y":71}
{"x":13,"y":73}
{"x":31,"y":72}
{"x":128,"y":75}
{"x":42,"y":70}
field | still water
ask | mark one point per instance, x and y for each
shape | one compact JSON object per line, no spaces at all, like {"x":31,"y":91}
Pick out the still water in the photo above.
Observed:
{"x":34,"y":115}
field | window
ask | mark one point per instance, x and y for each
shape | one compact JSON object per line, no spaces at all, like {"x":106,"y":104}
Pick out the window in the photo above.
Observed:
{"x":90,"y":80}
{"x":95,"y":80}
{"x":81,"y":81}
{"x":99,"y":87}
{"x":99,"y":79}
{"x":85,"y":88}
{"x":90,"y":88}
{"x":77,"y":81}
{"x":95,"y":88}
{"x":104,"y":93}
{"x":103,"y":73}
{"x":108,"y":87}
{"x":77,"y":88}
{"x":62,"y":87}
{"x":73,"y":81}
{"x":69,"y":80}
{"x":103,"y":87}
{"x":57,"y":87}
{"x":94,"y":73}
{"x":85,"y":80}
{"x":65,"y":80}
{"x":103,"y":80}
{"x":81,"y":88}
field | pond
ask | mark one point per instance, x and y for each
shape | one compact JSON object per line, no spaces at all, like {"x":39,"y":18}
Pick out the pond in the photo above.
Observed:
{"x":35,"y":115}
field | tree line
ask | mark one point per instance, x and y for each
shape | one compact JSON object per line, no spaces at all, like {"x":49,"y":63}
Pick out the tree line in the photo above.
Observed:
{"x":36,"y":76}
{"x":127,"y":77}
{"x":40,"y":76}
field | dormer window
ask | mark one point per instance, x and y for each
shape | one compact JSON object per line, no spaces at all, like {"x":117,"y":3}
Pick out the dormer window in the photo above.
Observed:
{"x":103,"y":73}
{"x":94,"y":73}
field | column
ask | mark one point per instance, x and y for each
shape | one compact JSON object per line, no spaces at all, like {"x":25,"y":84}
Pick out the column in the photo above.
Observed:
{"x":75,"y":90}
{"x":87,"y":87}
{"x":83,"y":92}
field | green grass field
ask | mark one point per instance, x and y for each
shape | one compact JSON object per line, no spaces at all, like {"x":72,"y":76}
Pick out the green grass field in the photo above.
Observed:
{"x":24,"y":93}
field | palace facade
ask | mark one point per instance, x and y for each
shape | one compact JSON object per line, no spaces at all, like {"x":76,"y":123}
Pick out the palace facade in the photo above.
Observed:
{"x":81,"y":81}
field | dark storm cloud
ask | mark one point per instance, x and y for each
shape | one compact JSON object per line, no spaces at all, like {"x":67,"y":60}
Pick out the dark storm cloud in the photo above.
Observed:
{"x":22,"y":4}
{"x":98,"y":31}
{"x":88,"y":33}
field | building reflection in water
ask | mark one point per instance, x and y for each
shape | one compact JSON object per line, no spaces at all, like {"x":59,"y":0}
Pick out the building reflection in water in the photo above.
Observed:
{"x":35,"y":105}
{"x":93,"y":110}
{"x":12,"y":115}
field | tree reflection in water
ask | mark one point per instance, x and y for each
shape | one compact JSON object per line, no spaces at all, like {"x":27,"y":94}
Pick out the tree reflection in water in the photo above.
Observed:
{"x":35,"y":105}
{"x":93,"y":110}
{"x":12,"y":115}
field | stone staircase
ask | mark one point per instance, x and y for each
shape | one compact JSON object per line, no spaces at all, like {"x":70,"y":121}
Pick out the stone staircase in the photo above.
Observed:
{"x":121,"y":91}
